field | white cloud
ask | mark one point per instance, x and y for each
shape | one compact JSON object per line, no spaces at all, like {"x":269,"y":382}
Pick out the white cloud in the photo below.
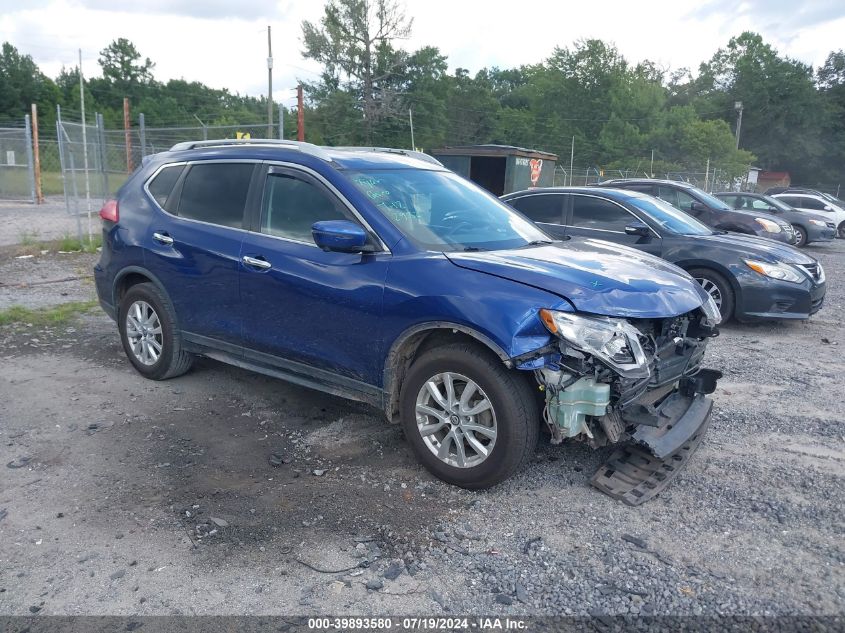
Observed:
{"x":224,"y":44}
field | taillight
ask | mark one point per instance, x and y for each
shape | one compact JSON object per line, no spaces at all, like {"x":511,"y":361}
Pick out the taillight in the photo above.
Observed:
{"x":110,"y":211}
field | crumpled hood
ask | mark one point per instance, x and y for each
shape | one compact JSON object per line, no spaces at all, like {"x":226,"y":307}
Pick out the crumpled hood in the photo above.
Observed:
{"x":595,"y":276}
{"x":759,"y":248}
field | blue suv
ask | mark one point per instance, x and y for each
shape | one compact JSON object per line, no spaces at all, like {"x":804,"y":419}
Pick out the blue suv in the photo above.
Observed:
{"x":379,"y":276}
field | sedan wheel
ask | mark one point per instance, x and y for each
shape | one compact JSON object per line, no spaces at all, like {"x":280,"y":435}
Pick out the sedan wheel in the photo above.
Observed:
{"x":842,"y":230}
{"x":456,"y":420}
{"x":712,"y":289}
{"x":800,"y":235}
{"x":143,"y":330}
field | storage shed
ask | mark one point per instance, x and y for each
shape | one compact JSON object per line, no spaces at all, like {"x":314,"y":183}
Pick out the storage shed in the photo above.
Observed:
{"x":500,"y":169}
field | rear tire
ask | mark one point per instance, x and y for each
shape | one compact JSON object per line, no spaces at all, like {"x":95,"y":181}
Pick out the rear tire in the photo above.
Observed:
{"x":840,"y":233}
{"x":800,"y":235}
{"x":717,"y":287}
{"x":149,"y":334}
{"x":499,"y":431}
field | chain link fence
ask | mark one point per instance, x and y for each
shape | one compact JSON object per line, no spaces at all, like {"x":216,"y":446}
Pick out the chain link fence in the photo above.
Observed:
{"x":713,"y":180}
{"x":17,"y":171}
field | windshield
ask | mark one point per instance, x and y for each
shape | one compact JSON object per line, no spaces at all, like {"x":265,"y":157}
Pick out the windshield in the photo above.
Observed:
{"x":833,"y":199}
{"x":439,"y":210}
{"x":777,"y":204}
{"x":668,"y":217}
{"x":712,"y":201}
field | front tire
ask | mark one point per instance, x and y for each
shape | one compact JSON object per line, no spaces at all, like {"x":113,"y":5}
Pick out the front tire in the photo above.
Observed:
{"x":469,"y":420}
{"x":149,"y":334}
{"x":717,"y":287}
{"x":800,"y":235}
{"x":841,"y":230}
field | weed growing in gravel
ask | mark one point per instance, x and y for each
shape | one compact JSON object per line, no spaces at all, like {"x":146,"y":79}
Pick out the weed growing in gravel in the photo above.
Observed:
{"x":68,"y":243}
{"x":54,"y":315}
{"x":28,"y":238}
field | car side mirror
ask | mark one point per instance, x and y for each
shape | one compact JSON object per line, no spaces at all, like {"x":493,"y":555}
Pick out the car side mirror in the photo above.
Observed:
{"x":828,"y":208}
{"x":638,"y":228}
{"x":341,"y":236}
{"x":697,"y":206}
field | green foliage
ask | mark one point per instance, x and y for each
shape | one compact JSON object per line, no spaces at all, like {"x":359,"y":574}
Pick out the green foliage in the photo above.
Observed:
{"x":619,"y":114}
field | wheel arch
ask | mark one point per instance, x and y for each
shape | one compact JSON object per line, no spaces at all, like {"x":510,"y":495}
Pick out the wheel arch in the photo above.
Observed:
{"x":716,"y":267}
{"x":419,"y":338}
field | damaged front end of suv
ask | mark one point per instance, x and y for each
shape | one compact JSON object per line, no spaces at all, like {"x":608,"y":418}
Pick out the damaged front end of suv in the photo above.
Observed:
{"x":635,"y":383}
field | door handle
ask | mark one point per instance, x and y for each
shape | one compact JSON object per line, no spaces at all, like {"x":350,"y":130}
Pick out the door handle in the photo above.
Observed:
{"x":256,"y":262}
{"x":163,"y":238}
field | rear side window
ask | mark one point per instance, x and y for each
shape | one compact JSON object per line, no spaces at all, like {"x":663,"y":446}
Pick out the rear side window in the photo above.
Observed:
{"x":596,"y":213}
{"x":292,"y":205}
{"x":216,"y":193}
{"x":162,"y":184}
{"x":545,"y":208}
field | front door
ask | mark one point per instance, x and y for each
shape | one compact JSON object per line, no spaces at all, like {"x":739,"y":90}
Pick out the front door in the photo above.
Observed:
{"x":300,"y":303}
{"x":602,"y":219}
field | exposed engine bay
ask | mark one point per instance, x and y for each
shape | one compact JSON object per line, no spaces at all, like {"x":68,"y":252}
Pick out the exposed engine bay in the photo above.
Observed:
{"x":642,"y":382}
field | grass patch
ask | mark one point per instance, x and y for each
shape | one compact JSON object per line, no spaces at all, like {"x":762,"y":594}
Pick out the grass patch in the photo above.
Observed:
{"x":67,"y":244}
{"x":54,"y":315}
{"x":29,"y":238}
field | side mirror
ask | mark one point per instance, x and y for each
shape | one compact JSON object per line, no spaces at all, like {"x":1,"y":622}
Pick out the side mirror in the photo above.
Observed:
{"x":341,"y":236}
{"x":638,"y":228}
{"x":697,"y":206}
{"x":828,"y":208}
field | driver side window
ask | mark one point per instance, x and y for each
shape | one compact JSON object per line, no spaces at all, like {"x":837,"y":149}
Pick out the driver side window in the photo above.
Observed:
{"x":292,"y":205}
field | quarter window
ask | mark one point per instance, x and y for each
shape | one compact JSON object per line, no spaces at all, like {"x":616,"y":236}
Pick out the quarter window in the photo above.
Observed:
{"x":161,"y":186}
{"x":292,"y":206}
{"x":545,"y":208}
{"x":596,"y":213}
{"x":216,"y":193}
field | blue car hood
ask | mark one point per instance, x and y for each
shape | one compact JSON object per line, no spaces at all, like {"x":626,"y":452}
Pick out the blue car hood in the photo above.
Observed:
{"x":758,"y":248}
{"x":594,"y":276}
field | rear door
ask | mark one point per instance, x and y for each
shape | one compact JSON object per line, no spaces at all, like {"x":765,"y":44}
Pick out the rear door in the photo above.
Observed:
{"x":545,"y":209}
{"x":603,"y":219}
{"x":193,"y":245}
{"x":300,"y":303}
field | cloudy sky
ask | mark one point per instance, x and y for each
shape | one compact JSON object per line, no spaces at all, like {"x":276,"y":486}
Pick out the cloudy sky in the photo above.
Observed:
{"x":223,"y":43}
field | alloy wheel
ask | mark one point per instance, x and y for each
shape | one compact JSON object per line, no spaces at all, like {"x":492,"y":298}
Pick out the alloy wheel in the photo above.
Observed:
{"x":143,"y":330}
{"x":456,"y":420}
{"x":712,"y":289}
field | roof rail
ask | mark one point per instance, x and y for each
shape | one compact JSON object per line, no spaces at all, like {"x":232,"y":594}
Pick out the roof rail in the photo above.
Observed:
{"x":391,"y":150}
{"x":305,"y":148}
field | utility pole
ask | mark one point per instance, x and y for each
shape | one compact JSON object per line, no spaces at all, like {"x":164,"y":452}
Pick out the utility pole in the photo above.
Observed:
{"x":269,"y":85}
{"x":571,"y":161}
{"x":85,"y":150}
{"x":127,"y":135}
{"x":738,"y":108}
{"x":411,"y":120}
{"x":300,"y":115}
{"x":39,"y":195}
{"x":651,"y":169}
{"x":707,"y":175}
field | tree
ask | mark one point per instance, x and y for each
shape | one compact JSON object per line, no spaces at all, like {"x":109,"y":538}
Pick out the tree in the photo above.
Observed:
{"x":21,"y":84}
{"x":354,"y":42}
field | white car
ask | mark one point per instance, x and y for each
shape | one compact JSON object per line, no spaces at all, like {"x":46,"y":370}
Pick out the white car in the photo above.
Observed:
{"x":817,"y":204}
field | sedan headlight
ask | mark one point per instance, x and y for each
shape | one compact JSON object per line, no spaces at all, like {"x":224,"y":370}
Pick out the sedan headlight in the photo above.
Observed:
{"x":614,"y":342}
{"x":783,"y":272}
{"x":820,"y":223}
{"x":768,"y":225}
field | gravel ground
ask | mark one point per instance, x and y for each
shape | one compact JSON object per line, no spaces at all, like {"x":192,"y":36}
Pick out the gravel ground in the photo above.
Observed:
{"x":48,"y":221}
{"x":224,"y":492}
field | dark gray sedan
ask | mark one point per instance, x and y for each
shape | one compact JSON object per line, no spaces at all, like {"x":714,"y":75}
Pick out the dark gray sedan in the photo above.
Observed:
{"x":707,"y":209}
{"x":749,"y":278}
{"x":808,"y":227}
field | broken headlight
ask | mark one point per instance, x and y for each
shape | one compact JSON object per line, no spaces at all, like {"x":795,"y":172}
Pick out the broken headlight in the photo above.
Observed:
{"x":614,"y":342}
{"x":711,"y":311}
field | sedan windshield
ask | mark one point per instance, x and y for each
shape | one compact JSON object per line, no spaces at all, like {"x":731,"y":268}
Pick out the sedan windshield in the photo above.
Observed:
{"x":438,"y":210}
{"x":668,"y":217}
{"x":712,"y":201}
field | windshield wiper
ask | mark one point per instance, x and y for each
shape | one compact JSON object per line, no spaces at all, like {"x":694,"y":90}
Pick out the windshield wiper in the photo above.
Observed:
{"x":538,"y":243}
{"x":473,"y":249}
